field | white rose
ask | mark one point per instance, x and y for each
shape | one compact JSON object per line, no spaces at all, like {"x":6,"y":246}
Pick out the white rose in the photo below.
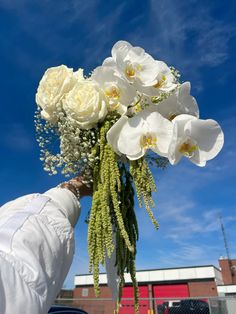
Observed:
{"x":54,"y":85}
{"x":85,"y":104}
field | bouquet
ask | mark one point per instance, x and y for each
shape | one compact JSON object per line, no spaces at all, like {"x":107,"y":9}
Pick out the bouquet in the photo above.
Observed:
{"x":129,"y":114}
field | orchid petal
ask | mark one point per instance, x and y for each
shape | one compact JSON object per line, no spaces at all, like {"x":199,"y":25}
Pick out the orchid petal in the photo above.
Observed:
{"x":119,"y":92}
{"x":129,"y":138}
{"x":122,"y":48}
{"x":109,"y":62}
{"x":188,"y":103}
{"x":163,"y":129}
{"x":179,"y":102}
{"x":196,"y":159}
{"x":179,"y":123}
{"x":114,"y":132}
{"x":208,"y":135}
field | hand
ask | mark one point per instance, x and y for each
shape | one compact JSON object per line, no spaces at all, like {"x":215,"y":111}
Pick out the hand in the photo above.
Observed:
{"x":78,"y":183}
{"x":85,"y":189}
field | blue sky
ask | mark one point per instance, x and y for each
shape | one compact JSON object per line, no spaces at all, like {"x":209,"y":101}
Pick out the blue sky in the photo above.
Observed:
{"x":198,"y":38}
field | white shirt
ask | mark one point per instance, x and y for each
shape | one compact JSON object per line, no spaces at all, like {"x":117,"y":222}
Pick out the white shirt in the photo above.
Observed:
{"x":36,"y":249}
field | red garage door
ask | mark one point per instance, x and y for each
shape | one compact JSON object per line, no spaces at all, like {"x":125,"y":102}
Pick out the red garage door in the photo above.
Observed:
{"x":127,"y":306}
{"x":170,"y":291}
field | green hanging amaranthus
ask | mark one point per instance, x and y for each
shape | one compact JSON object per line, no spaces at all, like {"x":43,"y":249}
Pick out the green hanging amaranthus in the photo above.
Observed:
{"x":113,"y":211}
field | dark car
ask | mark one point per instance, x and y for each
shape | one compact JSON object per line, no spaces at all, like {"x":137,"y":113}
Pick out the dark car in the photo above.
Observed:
{"x":190,"y":306}
{"x":59,"y":309}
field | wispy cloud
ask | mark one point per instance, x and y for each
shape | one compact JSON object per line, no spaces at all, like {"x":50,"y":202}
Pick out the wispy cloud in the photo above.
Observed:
{"x":187,"y":36}
{"x":182,"y":33}
{"x":189,"y":226}
{"x":190,"y":254}
{"x":15,"y":136}
{"x":76,"y":33}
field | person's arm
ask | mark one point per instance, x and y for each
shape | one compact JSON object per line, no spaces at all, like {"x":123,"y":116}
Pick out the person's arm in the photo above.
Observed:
{"x":36,"y":248}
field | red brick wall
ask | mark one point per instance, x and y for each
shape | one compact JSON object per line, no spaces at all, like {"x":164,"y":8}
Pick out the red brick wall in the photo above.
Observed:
{"x":228,"y":273}
{"x":202,"y":289}
{"x":105,"y":292}
{"x":96,"y":306}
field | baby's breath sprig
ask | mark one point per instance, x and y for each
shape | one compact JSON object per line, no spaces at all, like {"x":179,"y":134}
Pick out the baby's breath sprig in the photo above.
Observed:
{"x":176,"y":74}
{"x":75,"y":155}
{"x":160,"y":98}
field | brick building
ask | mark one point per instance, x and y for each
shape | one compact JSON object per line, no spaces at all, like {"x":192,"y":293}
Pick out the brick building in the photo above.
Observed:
{"x":228,"y":271}
{"x":182,"y":282}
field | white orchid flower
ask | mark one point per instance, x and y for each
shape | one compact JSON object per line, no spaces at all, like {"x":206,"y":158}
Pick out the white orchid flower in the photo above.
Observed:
{"x":114,"y":133}
{"x":133,"y":64}
{"x":198,"y":140}
{"x":134,"y":136}
{"x":179,"y":102}
{"x":165,"y":81}
{"x":119,"y":93}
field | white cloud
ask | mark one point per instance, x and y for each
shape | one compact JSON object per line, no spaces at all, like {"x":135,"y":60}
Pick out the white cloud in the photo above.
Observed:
{"x":182,"y":33}
{"x":75,"y":31}
{"x":16,"y":137}
{"x":192,"y":254}
{"x":185,"y":35}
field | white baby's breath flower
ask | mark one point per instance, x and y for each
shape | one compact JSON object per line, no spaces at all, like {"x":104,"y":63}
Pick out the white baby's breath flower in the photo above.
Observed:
{"x":54,"y":85}
{"x":85,"y":104}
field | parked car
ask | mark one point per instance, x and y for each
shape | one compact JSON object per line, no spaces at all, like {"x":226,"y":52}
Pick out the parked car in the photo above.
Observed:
{"x":60,"y":309}
{"x":164,"y":307}
{"x":190,"y":306}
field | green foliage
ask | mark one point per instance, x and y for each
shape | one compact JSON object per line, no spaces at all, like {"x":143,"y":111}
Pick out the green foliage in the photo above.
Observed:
{"x":113,"y":212}
{"x":145,"y":185}
{"x":158,"y":161}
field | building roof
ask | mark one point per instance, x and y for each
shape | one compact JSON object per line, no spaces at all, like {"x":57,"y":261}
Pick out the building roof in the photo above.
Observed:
{"x":226,"y":289}
{"x":151,"y":269}
{"x":161,"y":275}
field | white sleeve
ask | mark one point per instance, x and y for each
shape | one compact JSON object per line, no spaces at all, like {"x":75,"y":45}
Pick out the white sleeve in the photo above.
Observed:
{"x":36,"y":249}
